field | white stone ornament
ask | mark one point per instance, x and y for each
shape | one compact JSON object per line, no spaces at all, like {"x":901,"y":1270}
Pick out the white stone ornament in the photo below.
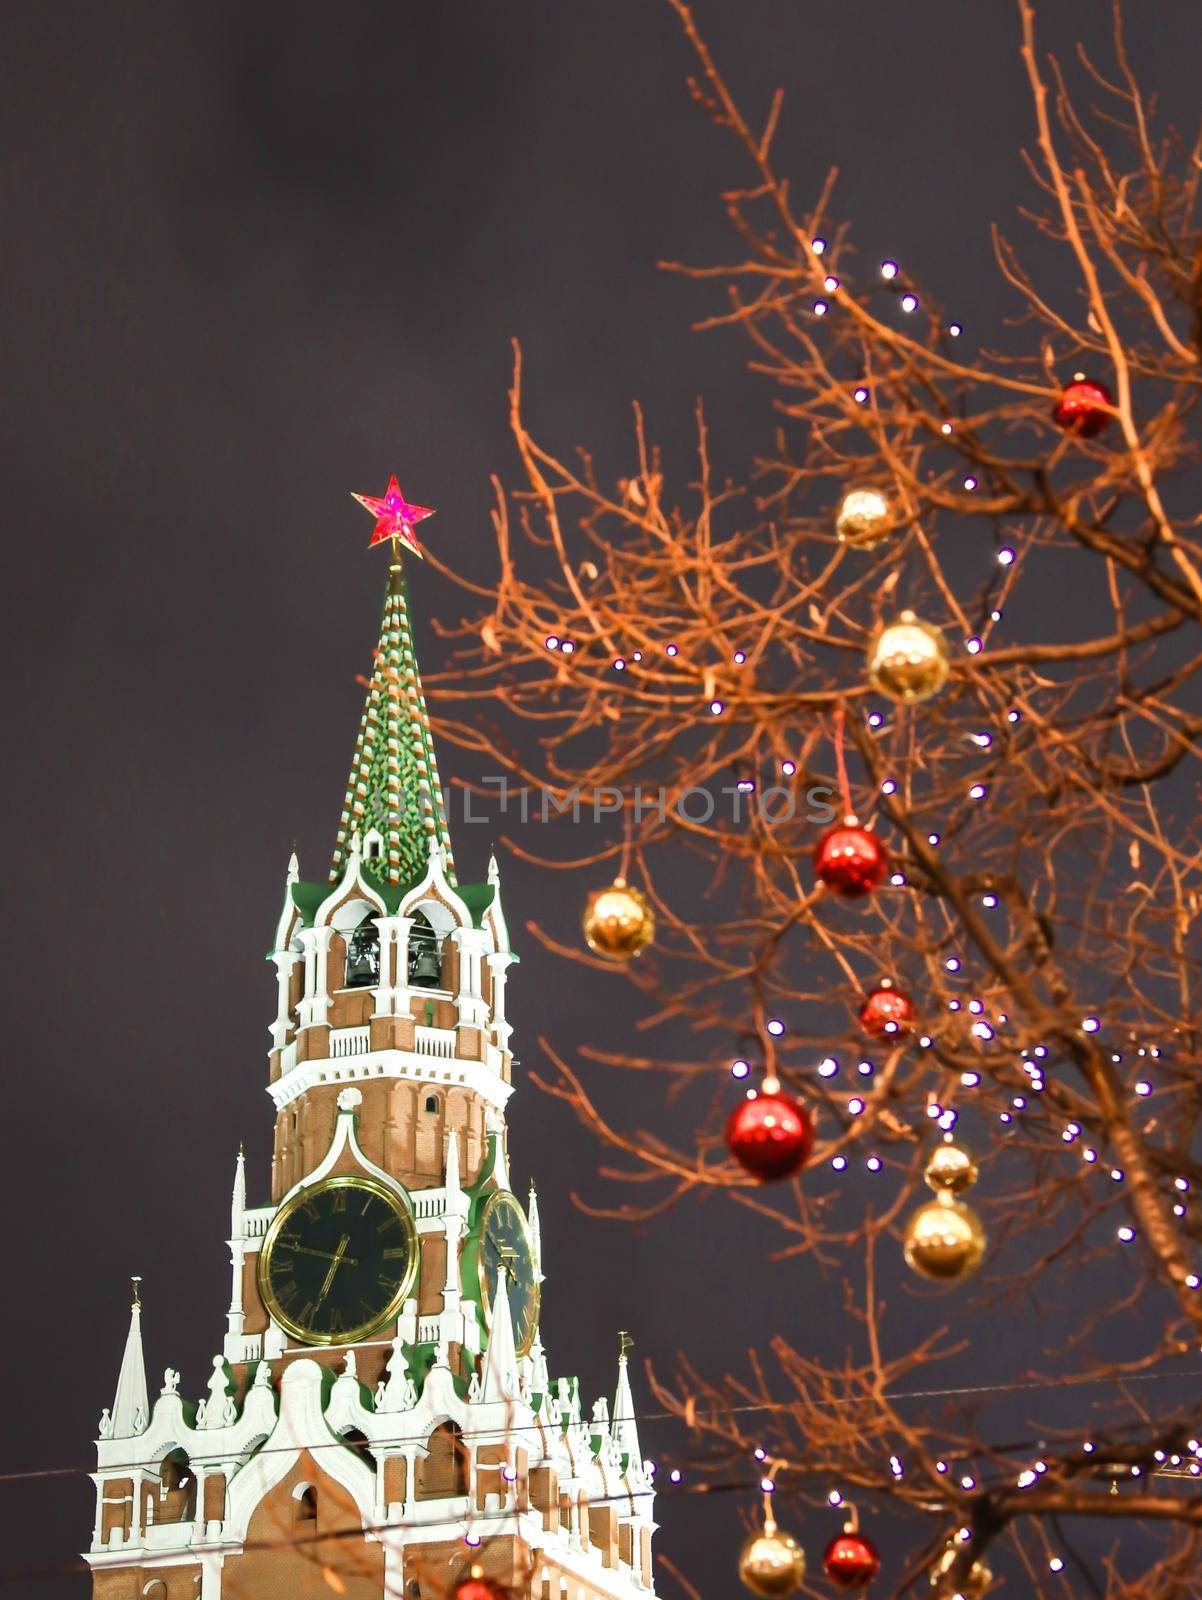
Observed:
{"x":170,"y":1381}
{"x":399,"y":1393}
{"x":219,"y":1409}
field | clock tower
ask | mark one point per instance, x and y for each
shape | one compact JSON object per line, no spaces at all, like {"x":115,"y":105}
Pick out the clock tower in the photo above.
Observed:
{"x":380,"y":1419}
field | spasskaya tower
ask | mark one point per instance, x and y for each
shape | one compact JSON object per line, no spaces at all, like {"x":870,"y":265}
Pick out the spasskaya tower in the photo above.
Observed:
{"x":380,"y":1417}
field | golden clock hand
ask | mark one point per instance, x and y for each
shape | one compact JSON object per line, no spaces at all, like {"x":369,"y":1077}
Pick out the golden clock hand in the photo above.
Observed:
{"x":325,"y":1255}
{"x":334,"y":1265}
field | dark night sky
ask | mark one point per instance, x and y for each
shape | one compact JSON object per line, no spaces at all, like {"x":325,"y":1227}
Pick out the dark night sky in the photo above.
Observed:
{"x":255,"y":256}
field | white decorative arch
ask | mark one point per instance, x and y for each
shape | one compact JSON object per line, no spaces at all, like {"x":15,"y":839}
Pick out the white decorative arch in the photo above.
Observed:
{"x":353,"y":886}
{"x":437,"y":914}
{"x":301,"y":1426}
{"x":345,"y":918}
{"x":345,"y":1138}
{"x":435,"y":893}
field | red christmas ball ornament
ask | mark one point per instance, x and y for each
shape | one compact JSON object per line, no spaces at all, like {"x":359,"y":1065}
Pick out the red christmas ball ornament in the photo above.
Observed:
{"x":770,"y":1134}
{"x":850,"y":861}
{"x":1083,"y":408}
{"x":887,"y":1013}
{"x":851,"y":1560}
{"x":477,"y":1587}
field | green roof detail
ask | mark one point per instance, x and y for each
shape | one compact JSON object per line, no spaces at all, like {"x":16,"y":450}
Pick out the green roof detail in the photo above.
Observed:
{"x":393,"y":786}
{"x":306,"y":897}
{"x":477,"y":897}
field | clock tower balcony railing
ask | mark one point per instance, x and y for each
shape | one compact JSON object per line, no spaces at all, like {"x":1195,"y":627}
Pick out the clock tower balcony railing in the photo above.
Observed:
{"x":430,"y":1028}
{"x":484,"y":1075}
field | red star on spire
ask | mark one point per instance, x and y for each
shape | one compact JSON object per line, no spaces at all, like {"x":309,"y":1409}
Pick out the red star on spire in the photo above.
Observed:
{"x":395,"y":517}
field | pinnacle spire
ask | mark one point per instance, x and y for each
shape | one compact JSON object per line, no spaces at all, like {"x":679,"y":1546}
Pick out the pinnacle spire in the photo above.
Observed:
{"x":393,"y":789}
{"x":535,"y":1226}
{"x":238,"y":1196}
{"x":624,"y":1424}
{"x":131,"y":1406}
{"x":452,"y":1162}
{"x":501,"y":1361}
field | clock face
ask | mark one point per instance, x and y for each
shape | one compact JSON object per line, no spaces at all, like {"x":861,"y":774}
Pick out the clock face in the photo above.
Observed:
{"x":338,"y":1261}
{"x":505,"y":1242}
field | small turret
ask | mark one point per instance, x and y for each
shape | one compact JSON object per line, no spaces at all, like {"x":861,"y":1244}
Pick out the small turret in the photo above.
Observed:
{"x":540,"y":1382}
{"x":455,"y":1210}
{"x":624,"y":1426}
{"x":238,"y":1198}
{"x":131,"y":1406}
{"x":453,"y":1185}
{"x":500,"y":1361}
{"x":536,"y":1232}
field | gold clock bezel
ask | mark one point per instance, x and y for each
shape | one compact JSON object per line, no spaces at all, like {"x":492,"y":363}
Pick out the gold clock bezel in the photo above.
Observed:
{"x":297,"y":1330}
{"x":498,"y":1198}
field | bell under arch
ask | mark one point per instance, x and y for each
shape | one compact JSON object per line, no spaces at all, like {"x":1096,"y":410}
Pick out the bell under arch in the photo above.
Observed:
{"x":425,"y":954}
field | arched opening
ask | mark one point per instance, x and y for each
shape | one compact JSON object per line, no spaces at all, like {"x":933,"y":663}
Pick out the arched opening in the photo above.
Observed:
{"x":177,"y":1489}
{"x":363,"y":956}
{"x":356,"y":1441}
{"x":432,"y":1104}
{"x":304,"y":1498}
{"x":425,"y":957}
{"x":442,"y":1474}
{"x":301,"y":1532}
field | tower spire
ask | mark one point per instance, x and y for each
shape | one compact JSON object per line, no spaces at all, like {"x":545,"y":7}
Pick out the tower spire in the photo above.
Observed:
{"x":501,"y":1361}
{"x":535,"y":1226}
{"x":624,"y":1425}
{"x":393,"y":789}
{"x":238,"y":1196}
{"x":131,"y":1405}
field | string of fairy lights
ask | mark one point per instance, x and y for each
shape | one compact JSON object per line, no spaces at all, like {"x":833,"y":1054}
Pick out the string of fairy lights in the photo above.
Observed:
{"x":850,"y":1558}
{"x":770,"y":1133}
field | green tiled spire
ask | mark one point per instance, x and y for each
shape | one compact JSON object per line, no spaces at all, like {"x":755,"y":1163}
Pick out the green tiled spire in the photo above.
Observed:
{"x":394,"y":785}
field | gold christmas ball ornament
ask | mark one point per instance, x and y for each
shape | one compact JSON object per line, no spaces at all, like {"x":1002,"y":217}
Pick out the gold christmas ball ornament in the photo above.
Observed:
{"x":944,"y":1240}
{"x":972,"y":1586}
{"x":618,"y":921}
{"x":863,"y":518}
{"x":908,"y":659}
{"x":772,"y":1563}
{"x":950,"y":1169}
